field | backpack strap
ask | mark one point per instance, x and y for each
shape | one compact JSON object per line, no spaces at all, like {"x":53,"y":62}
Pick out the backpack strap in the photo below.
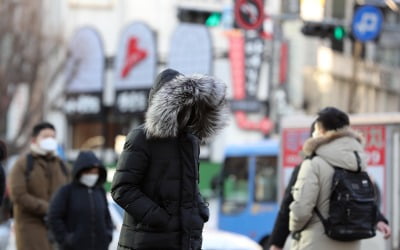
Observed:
{"x":64,"y":168}
{"x":358,"y":161}
{"x":324,"y":221}
{"x":29,"y":166}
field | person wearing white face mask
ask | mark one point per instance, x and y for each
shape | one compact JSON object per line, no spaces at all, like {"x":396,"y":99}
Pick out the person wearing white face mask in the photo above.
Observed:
{"x":78,"y":214}
{"x":33,"y":180}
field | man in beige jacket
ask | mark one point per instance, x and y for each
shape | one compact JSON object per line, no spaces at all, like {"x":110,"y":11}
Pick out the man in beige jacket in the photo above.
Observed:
{"x":334,"y":143}
{"x":31,"y":190}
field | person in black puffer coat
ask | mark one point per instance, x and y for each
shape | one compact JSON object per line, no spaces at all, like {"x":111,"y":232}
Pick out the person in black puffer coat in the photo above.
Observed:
{"x":78,"y":216}
{"x":157,"y":176}
{"x":3,"y":156}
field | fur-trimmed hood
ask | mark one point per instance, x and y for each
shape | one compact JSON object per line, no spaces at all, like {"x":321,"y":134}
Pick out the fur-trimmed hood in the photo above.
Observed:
{"x":337,"y":148}
{"x":194,"y":104}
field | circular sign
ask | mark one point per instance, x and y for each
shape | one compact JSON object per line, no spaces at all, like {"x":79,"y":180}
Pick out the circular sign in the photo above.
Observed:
{"x":249,"y":14}
{"x":367,"y":23}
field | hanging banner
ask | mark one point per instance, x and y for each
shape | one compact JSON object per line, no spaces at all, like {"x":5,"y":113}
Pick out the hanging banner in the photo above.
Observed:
{"x":84,"y":74}
{"x":254,"y":48}
{"x":135,"y":68}
{"x":191,"y":50}
{"x":241,"y":103}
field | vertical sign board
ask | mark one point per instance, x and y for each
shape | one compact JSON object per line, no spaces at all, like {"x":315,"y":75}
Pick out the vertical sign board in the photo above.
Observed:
{"x":254,"y":52}
{"x":84,"y":74}
{"x":191,"y":50}
{"x":135,"y":68}
{"x":375,"y":148}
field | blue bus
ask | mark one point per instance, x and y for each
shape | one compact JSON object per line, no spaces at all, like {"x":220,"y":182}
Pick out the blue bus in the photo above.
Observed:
{"x":248,"y":189}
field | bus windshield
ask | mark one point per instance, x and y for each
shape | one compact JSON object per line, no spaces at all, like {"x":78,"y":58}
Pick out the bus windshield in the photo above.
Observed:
{"x":235,"y":191}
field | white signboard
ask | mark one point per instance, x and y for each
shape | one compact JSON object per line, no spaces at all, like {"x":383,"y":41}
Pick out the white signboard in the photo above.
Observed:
{"x":136,"y":58}
{"x":191,"y":50}
{"x":85,"y":66}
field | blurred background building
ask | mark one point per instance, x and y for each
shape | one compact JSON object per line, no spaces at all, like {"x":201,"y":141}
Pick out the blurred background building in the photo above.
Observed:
{"x":98,"y":60}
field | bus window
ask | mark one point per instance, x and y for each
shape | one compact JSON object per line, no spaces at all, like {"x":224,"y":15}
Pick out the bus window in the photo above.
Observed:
{"x":265,"y":189}
{"x":235,"y":191}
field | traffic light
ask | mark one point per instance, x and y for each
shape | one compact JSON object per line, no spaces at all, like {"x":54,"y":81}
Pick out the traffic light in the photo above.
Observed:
{"x":213,"y":20}
{"x":336,"y":33}
{"x":210,"y":19}
{"x":339,"y":33}
{"x":324,"y":30}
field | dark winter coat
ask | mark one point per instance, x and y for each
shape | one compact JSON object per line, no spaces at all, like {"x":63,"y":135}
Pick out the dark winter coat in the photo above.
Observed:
{"x":2,"y":183}
{"x":281,"y":227}
{"x":3,"y":156}
{"x":157,"y":175}
{"x":79,"y":217}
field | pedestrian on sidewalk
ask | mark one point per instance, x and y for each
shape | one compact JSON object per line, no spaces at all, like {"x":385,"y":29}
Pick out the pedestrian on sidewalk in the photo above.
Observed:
{"x":33,"y":180}
{"x":79,"y":217}
{"x":334,"y":143}
{"x":157,"y":176}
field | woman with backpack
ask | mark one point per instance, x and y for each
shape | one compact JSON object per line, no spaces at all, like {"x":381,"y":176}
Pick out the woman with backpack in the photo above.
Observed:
{"x":334,"y":143}
{"x":281,"y":231}
{"x":78,"y":216}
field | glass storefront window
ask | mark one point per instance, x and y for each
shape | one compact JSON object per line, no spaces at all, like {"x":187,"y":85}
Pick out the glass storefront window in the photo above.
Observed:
{"x":235,"y":192}
{"x":265,"y":185}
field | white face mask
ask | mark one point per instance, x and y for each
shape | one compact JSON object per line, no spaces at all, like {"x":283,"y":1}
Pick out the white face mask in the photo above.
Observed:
{"x":89,"y":179}
{"x":48,"y":144}
{"x":316,"y":134}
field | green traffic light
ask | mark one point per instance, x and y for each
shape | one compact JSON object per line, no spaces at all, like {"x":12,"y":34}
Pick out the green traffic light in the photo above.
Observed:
{"x":339,"y":33}
{"x":213,"y":20}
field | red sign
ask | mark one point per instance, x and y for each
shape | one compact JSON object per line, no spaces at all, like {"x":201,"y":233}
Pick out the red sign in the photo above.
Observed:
{"x":292,"y":144}
{"x":134,"y":55}
{"x":249,"y":14}
{"x":283,"y":63}
{"x":236,"y":57}
{"x":375,"y":139}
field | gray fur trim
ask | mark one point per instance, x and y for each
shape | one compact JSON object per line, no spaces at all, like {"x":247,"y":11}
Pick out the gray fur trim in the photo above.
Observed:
{"x":182,"y":93}
{"x":311,"y":144}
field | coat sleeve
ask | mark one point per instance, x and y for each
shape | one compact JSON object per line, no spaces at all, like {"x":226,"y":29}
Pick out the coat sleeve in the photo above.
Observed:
{"x":381,"y":217}
{"x":126,"y":186}
{"x":109,"y":223}
{"x":2,"y":183}
{"x":281,"y":227}
{"x":57,"y":214}
{"x":203,"y":207}
{"x":19,"y":193}
{"x":305,"y":193}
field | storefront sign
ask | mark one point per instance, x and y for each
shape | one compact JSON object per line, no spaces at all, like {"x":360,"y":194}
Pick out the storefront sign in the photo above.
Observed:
{"x":135,"y":68}
{"x":191,"y":50}
{"x":132,"y":101}
{"x":84,"y":74}
{"x":136,"y":58}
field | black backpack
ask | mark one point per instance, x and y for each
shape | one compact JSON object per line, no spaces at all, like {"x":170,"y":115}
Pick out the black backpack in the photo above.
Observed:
{"x":352,"y":205}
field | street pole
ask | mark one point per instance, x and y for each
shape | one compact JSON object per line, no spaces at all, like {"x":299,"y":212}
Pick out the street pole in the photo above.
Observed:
{"x":352,"y":98}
